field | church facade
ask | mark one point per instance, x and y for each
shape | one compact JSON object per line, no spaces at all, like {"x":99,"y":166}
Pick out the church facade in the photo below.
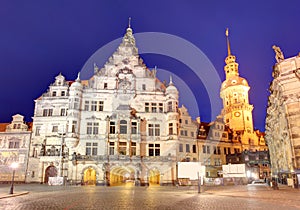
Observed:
{"x":282,"y":121}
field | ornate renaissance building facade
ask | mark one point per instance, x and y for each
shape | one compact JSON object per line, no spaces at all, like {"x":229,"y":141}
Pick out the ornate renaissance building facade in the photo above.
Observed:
{"x":283,"y":118}
{"x":120,"y":125}
{"x":14,"y":146}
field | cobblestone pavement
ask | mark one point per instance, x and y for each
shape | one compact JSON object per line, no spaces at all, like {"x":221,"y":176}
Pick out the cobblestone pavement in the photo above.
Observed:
{"x":130,"y":197}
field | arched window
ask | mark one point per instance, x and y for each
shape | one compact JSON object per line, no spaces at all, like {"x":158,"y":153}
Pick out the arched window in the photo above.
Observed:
{"x":123,"y":127}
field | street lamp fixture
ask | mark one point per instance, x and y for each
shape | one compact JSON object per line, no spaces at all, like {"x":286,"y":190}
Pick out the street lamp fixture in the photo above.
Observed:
{"x":14,"y":166}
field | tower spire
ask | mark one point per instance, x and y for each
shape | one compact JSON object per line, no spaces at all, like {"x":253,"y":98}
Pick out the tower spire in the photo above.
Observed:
{"x":129,"y":22}
{"x":228,"y":44}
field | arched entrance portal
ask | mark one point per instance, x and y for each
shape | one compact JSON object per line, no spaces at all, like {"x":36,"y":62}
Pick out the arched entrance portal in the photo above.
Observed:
{"x":89,"y":177}
{"x":51,"y":171}
{"x":122,"y":176}
{"x":154,"y":177}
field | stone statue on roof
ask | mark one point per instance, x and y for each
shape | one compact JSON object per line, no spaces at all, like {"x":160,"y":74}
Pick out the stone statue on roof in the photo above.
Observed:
{"x":278,"y":53}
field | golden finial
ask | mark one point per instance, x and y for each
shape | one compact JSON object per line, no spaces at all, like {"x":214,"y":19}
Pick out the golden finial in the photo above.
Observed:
{"x":228,"y":44}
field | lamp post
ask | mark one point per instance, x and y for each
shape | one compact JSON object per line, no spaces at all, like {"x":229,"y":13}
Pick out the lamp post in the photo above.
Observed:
{"x":14,"y":165}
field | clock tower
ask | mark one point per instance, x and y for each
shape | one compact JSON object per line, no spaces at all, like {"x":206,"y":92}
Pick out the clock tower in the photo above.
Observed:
{"x":237,"y":112}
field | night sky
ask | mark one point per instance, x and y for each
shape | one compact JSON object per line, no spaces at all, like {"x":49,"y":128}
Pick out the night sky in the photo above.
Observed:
{"x":40,"y":39}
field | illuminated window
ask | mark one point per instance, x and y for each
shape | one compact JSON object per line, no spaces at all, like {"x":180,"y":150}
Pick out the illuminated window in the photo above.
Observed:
{"x":122,"y":148}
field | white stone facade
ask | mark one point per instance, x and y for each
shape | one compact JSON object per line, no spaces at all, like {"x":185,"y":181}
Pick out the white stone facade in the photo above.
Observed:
{"x":120,"y":125}
{"x":283,"y":117}
{"x":14,"y":147}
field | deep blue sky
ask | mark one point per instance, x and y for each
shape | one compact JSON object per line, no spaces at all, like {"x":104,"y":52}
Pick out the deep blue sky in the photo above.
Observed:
{"x":39,"y":39}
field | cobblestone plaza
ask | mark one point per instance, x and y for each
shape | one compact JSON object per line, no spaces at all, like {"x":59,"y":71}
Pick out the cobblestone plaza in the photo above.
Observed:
{"x":130,"y":197}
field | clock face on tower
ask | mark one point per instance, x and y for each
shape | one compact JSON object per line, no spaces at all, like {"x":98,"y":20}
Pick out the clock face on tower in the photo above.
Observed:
{"x":237,"y":114}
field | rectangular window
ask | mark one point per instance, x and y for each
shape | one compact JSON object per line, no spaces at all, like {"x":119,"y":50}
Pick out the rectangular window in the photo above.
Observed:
{"x":111,"y":148}
{"x":147,"y":107}
{"x":192,"y":134}
{"x":37,"y":131}
{"x":133,"y":149}
{"x":96,"y":128}
{"x":153,"y":108}
{"x":89,"y":128}
{"x":105,"y":85}
{"x":101,"y":106}
{"x":170,"y":106}
{"x":218,"y":150}
{"x":123,"y":127}
{"x":91,"y":148}
{"x":154,"y":149}
{"x":50,"y":112}
{"x":122,"y":148}
{"x":112,"y":127}
{"x":94,"y":106}
{"x":63,"y":112}
{"x":143,"y":87}
{"x":187,"y":147}
{"x":63,"y":93}
{"x":74,"y":126}
{"x":154,"y":130}
{"x":54,"y":128}
{"x":133,"y":127}
{"x":151,"y":150}
{"x":170,"y":128}
{"x":150,"y":130}
{"x":194,"y":148}
{"x":86,"y":105}
{"x":45,"y":112}
{"x":14,"y":144}
{"x":203,"y":149}
{"x":88,"y":148}
{"x":160,"y":107}
{"x":208,"y":149}
{"x":225,"y":150}
{"x":180,"y":147}
{"x":157,"y":149}
{"x":95,"y":149}
{"x":54,"y":93}
{"x":215,"y":150}
{"x":157,"y":130}
{"x":76,"y":103}
{"x":186,"y":122}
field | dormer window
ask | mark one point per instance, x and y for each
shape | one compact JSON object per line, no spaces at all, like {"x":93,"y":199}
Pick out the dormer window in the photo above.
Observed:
{"x":54,"y":93}
{"x":63,"y":93}
{"x":17,"y":126}
{"x":105,"y":85}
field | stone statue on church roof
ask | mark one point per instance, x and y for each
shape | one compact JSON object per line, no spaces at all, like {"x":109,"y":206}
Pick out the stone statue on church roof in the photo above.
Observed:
{"x":278,"y":53}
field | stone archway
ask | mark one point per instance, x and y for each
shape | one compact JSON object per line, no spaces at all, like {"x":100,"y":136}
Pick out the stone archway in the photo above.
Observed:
{"x":50,"y":171}
{"x":122,"y":175}
{"x":154,"y":176}
{"x":89,"y":176}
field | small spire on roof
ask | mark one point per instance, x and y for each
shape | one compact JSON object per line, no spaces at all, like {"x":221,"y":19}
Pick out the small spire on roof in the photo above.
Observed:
{"x":78,"y":77}
{"x":129,"y":22}
{"x":228,"y":44}
{"x":171,"y":82}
